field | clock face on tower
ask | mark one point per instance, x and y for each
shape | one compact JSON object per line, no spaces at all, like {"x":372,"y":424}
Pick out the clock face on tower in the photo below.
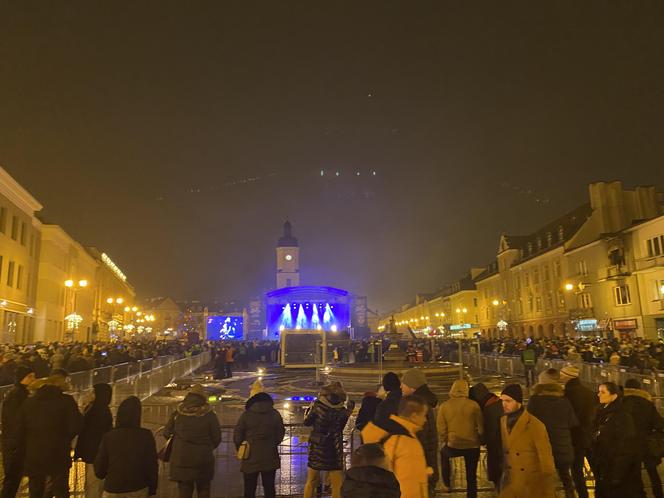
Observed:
{"x":288,"y":257}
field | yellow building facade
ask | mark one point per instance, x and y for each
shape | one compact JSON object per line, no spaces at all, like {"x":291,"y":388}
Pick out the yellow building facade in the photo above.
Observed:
{"x":20,"y":236}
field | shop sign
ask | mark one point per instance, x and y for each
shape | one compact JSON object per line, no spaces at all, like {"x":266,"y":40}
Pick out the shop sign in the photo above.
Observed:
{"x":586,"y":325}
{"x":461,"y":326}
{"x":624,"y":324}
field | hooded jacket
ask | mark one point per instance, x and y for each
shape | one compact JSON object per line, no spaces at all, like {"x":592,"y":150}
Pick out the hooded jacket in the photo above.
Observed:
{"x":404,"y":453}
{"x":127,"y":456}
{"x":328,"y":417}
{"x":262,"y":426}
{"x":550,"y":406}
{"x":646,"y":417}
{"x":584,"y":403}
{"x":370,"y":482}
{"x":49,"y":421}
{"x":460,"y":423}
{"x":11,"y":417}
{"x":97,"y":421}
{"x":615,"y":461}
{"x":196,"y":433}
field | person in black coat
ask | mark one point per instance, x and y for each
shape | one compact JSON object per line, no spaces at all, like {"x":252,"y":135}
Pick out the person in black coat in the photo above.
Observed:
{"x":328,"y":416}
{"x":196,"y":433}
{"x":614,"y":461}
{"x":550,"y":406}
{"x":369,"y":476}
{"x":414,"y":382}
{"x":584,"y":403}
{"x":370,"y":403}
{"x":263,"y":428}
{"x":127,"y":456}
{"x":97,"y":421}
{"x":492,"y":410}
{"x":49,"y":422}
{"x":13,"y":451}
{"x":646,"y":420}
{"x":390,"y":405}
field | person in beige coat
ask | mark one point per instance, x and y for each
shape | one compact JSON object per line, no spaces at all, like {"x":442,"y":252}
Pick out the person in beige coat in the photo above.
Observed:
{"x":460,"y":428}
{"x":528,"y":467}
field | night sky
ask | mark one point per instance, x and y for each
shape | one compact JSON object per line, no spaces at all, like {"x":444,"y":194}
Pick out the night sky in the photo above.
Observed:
{"x":178,"y":136}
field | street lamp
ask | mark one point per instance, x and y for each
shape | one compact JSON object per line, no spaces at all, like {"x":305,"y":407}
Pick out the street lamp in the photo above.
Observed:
{"x":460,"y":313}
{"x":73,"y":319}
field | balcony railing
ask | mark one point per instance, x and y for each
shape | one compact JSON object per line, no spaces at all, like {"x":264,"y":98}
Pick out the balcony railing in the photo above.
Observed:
{"x":649,"y":263}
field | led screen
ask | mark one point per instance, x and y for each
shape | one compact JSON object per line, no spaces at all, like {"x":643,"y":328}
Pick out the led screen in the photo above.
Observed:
{"x":311,"y":315}
{"x":224,"y":328}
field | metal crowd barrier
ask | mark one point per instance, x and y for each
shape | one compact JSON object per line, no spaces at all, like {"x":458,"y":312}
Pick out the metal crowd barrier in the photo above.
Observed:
{"x":591,"y":374}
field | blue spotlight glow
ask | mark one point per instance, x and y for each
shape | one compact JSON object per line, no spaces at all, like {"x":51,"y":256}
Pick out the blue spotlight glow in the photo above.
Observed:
{"x":315,"y":319}
{"x":286,"y":318}
{"x":301,"y":322}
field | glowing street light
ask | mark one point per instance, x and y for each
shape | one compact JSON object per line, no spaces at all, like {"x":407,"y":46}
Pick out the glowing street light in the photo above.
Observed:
{"x":495,"y":302}
{"x":569,"y":286}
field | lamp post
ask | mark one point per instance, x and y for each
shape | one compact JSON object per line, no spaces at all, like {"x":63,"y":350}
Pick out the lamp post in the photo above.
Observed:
{"x":73,"y":319}
{"x":131,"y":311}
{"x":460,"y":313}
{"x":113,"y":323}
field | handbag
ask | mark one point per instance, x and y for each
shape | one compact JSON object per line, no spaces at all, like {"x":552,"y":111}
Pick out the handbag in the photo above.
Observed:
{"x":243,"y":450}
{"x":655,"y":444}
{"x":164,"y":454}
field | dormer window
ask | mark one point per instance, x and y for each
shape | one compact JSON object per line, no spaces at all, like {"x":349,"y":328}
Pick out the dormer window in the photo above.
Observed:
{"x":530,"y":247}
{"x":539,"y":243}
{"x":549,"y":239}
{"x":561,"y":233}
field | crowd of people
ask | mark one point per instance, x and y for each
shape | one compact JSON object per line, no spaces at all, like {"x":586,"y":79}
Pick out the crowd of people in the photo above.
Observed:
{"x":77,"y":357}
{"x":633,"y":352}
{"x":530,"y":445}
{"x":120,"y":456}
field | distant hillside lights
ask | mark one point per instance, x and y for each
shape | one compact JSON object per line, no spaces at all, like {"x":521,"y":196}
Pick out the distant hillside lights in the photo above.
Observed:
{"x":109,"y":262}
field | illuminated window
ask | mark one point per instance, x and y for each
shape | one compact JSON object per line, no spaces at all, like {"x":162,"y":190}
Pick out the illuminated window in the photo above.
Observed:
{"x":655,"y":246}
{"x":10,"y":274}
{"x":538,"y":303}
{"x":621,"y":295}
{"x":585,"y":300}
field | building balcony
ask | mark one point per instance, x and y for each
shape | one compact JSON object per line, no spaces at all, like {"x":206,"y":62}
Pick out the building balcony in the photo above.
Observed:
{"x":615,"y":272}
{"x":648,"y":264}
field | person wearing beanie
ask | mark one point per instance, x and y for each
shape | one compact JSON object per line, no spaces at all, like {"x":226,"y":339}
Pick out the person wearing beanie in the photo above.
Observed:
{"x":256,"y":387}
{"x":390,"y":404}
{"x":550,"y":406}
{"x":584,"y":404}
{"x":414,"y":382}
{"x":460,"y":429}
{"x":528,"y":466}
{"x":646,"y":421}
{"x":12,"y":448}
{"x":492,"y":411}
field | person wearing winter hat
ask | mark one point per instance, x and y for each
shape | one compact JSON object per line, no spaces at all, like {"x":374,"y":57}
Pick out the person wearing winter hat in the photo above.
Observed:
{"x":414,"y":382}
{"x":390,"y":404}
{"x":12,"y":451}
{"x":256,"y":387}
{"x":584,"y":404}
{"x":460,"y":428}
{"x":528,"y":467}
{"x":550,"y":406}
